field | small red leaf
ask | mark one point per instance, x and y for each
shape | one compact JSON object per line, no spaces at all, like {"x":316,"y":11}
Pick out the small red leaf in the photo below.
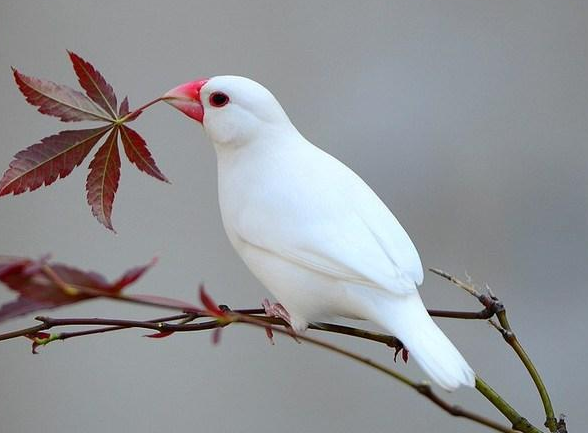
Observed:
{"x":21,"y":306}
{"x":159,"y":334}
{"x":209,"y":304}
{"x":270,"y":335}
{"x":35,"y":339}
{"x":54,"y":157}
{"x":57,"y":100}
{"x":10,"y":265}
{"x":137,"y":152}
{"x":132,"y":275}
{"x":94,"y":84}
{"x":216,"y":335}
{"x":124,"y":107}
{"x":103,"y":178}
{"x":133,"y":116}
{"x":37,"y":291}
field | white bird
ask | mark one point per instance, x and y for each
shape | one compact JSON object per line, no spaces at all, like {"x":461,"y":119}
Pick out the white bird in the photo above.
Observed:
{"x":309,"y":228}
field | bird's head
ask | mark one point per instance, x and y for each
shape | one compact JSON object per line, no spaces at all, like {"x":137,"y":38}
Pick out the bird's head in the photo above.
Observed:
{"x":232,"y":110}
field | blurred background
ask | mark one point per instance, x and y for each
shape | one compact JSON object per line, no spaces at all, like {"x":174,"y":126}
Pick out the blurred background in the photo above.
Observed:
{"x":468,"y":118}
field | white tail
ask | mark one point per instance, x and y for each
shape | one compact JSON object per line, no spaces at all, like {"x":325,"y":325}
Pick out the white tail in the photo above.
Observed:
{"x":407,"y":319}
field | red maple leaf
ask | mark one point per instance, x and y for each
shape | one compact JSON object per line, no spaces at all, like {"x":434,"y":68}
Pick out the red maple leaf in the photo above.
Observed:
{"x":56,"y":156}
{"x":36,"y":338}
{"x":124,"y":108}
{"x":137,"y":152}
{"x":96,"y":87}
{"x":103,"y":178}
{"x":57,"y":100}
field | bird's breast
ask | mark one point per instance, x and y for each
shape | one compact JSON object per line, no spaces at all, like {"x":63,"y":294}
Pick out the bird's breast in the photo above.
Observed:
{"x":271,"y":189}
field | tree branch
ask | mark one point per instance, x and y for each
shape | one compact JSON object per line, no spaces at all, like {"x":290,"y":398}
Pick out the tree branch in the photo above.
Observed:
{"x":162,"y":325}
{"x":224,"y":316}
{"x":509,"y":336}
{"x":492,"y":303}
{"x":422,"y":388}
{"x":518,"y":422}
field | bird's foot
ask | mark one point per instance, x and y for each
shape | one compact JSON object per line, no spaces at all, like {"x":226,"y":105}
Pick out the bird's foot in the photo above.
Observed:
{"x":277,"y":310}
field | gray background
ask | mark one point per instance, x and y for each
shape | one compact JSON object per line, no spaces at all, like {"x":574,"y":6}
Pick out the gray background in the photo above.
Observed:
{"x":469,"y":118}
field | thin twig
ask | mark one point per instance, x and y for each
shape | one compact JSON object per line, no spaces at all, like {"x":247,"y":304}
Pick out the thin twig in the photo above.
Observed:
{"x":22,"y":332}
{"x":510,"y":337}
{"x":67,"y":335}
{"x":160,"y":324}
{"x":484,"y":314}
{"x":518,"y":422}
{"x":467,"y":287}
{"x":388,"y":340}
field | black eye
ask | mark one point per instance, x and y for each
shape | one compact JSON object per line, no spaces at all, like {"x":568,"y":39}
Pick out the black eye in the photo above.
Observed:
{"x":218,"y":99}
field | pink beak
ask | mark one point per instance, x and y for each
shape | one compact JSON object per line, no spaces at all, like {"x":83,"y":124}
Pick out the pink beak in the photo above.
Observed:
{"x":186,"y":98}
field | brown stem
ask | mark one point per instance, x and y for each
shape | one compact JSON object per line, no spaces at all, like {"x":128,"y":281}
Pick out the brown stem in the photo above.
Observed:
{"x":484,"y":314}
{"x":123,"y":324}
{"x":467,"y":287}
{"x":23,"y":332}
{"x":161,"y":325}
{"x":425,"y":389}
{"x":68,"y":335}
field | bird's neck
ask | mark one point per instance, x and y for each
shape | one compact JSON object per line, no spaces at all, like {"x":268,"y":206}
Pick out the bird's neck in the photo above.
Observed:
{"x":265,"y":143}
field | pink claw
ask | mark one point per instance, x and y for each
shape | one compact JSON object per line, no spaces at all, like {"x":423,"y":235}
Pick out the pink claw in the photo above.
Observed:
{"x":277,"y":310}
{"x":270,"y":335}
{"x":404,"y":354}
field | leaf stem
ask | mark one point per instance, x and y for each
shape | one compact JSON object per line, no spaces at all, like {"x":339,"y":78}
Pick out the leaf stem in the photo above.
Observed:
{"x":137,"y":112}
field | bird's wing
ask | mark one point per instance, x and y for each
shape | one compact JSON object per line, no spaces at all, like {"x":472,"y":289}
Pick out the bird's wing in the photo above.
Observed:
{"x":389,"y":234}
{"x":356,"y":240}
